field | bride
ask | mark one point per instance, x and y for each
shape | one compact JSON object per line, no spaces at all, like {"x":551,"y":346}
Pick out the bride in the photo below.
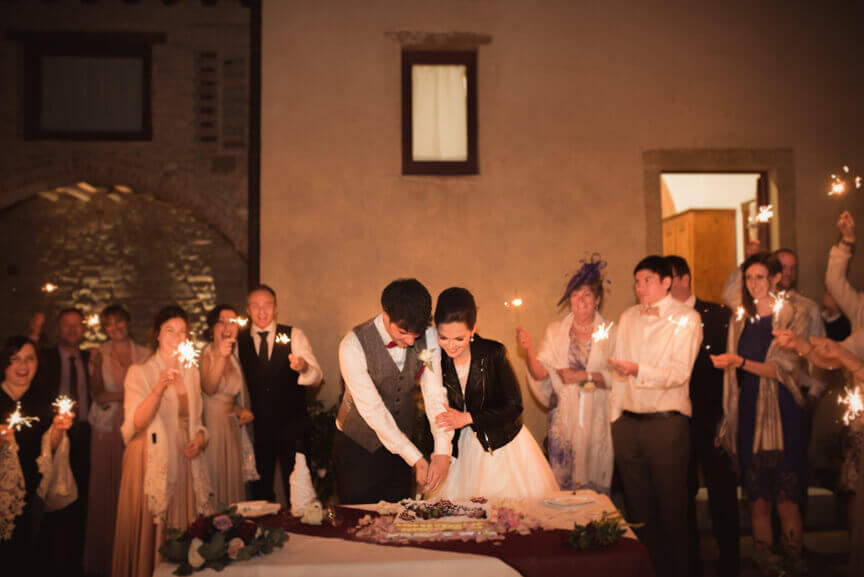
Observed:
{"x":495,"y":456}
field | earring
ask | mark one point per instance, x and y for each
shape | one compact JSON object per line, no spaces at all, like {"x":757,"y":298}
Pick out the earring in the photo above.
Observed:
{"x":472,"y":338}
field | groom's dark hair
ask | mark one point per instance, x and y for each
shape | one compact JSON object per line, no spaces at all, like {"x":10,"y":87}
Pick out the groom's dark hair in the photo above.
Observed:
{"x":408,"y":304}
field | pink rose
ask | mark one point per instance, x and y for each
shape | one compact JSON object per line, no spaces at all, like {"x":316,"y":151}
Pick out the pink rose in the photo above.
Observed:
{"x":222,"y":522}
{"x":234,"y":546}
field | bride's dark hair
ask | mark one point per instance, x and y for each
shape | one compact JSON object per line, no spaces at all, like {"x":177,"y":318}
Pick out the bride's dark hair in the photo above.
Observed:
{"x":456,"y":305}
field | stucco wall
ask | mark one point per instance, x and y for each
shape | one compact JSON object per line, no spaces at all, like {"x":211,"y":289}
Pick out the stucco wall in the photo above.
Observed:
{"x":570,"y":96}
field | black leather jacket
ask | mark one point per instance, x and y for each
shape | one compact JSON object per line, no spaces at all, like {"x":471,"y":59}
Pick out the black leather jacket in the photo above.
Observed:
{"x":492,"y":394}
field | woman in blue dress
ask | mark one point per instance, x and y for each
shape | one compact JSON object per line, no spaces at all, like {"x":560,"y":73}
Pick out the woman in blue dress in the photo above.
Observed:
{"x":763,"y":411}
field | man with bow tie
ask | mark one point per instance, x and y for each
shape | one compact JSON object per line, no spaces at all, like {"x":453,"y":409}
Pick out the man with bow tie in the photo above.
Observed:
{"x":381,"y":361}
{"x":657,"y":343}
{"x":278,"y":364}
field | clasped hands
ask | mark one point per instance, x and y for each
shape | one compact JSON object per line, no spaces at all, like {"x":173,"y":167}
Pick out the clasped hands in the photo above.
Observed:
{"x":430,"y":476}
{"x":623,"y":368}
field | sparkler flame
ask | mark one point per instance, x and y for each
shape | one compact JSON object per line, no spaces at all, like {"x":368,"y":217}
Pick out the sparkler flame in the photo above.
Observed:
{"x":240,"y":321}
{"x":739,"y":313}
{"x":64,"y":405}
{"x":779,"y":301}
{"x":283,"y":339}
{"x":679,"y":323}
{"x":602,"y":332}
{"x":765,"y":214}
{"x":93,"y":321}
{"x":515,"y":303}
{"x":844,"y":181}
{"x":187,"y":354}
{"x":854,"y":403}
{"x":49,"y":287}
{"x":18,"y":421}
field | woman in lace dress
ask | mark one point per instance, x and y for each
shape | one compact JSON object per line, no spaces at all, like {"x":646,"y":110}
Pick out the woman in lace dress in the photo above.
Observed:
{"x":763,"y":411}
{"x":19,"y":450}
{"x":230,"y":457}
{"x":495,"y":455}
{"x":568,"y":374}
{"x":108,"y":366}
{"x":165,"y":482}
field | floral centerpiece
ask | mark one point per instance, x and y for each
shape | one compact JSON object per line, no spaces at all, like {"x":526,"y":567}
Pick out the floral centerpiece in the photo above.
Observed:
{"x":599,"y":532}
{"x":214,"y":541}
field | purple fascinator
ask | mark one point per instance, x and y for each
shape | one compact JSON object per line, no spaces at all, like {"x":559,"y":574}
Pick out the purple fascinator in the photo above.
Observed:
{"x":589,"y":273}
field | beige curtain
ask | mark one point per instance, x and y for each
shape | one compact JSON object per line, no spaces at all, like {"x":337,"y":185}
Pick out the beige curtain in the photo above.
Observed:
{"x":439,"y":113}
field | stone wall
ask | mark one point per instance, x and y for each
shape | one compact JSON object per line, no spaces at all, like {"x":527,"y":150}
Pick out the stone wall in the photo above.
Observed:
{"x":183,"y":235}
{"x":106,"y":247}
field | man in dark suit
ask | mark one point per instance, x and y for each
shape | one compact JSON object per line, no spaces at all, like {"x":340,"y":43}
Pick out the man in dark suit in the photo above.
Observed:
{"x":63,"y":371}
{"x":278,"y":364}
{"x":706,"y":397}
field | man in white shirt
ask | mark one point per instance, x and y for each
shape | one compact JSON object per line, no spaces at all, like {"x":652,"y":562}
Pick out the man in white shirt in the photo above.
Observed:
{"x":381,"y":361}
{"x":657,"y":344}
{"x":278,"y":364}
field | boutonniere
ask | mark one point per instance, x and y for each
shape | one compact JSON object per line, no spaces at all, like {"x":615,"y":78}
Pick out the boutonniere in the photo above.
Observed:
{"x":282,"y":339}
{"x":424,"y":356}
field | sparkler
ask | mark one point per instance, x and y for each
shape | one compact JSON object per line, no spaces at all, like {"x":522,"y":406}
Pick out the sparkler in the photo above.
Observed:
{"x":64,"y":405}
{"x":602,"y":332}
{"x":855,"y":406}
{"x":187,"y":354}
{"x":514,"y":305}
{"x":282,"y":339}
{"x":49,"y":288}
{"x":679,"y":323}
{"x":765,"y":214}
{"x":844,"y":182}
{"x":240,"y":321}
{"x":18,"y":421}
{"x":93,"y":321}
{"x":779,"y":301}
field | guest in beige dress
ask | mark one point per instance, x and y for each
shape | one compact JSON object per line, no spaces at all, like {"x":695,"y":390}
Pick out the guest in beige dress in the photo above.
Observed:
{"x":230,"y":457}
{"x":165,"y":483}
{"x":108,"y":366}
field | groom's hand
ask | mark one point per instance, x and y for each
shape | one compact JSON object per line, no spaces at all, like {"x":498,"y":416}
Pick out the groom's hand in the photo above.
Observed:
{"x":437,"y":472}
{"x":421,"y":472}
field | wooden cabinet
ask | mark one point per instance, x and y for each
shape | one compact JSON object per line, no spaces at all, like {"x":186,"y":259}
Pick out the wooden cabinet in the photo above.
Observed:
{"x":706,"y":239}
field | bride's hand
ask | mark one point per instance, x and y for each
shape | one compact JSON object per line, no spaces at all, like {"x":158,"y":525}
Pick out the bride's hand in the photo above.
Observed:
{"x":452,"y":419}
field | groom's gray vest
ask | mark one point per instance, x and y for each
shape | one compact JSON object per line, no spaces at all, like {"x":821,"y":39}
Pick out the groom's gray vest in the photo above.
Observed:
{"x":396,"y":388}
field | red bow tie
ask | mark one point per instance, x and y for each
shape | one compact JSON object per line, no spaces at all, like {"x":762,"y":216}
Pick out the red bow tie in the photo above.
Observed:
{"x":392,"y":344}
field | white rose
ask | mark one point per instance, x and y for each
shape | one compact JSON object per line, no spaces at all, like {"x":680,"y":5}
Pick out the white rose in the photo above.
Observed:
{"x":425,"y":356}
{"x":313,"y":514}
{"x":195,"y":559}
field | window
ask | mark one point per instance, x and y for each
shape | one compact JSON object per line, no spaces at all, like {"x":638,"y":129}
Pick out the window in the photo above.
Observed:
{"x":439,"y":112}
{"x":86,"y":85}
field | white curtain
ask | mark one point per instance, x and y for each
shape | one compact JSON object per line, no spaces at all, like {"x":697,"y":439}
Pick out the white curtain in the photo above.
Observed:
{"x":439,"y":113}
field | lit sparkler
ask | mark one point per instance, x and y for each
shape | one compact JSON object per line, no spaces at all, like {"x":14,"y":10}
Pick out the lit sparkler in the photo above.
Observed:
{"x":93,"y":321}
{"x":602,"y":332}
{"x":679,"y":323}
{"x":765,"y":214}
{"x":514,"y":305}
{"x":739,"y":313}
{"x":779,"y":301}
{"x":282,"y":339}
{"x":18,"y":421}
{"x":187,"y":354}
{"x":49,"y":288}
{"x":240,"y":321}
{"x":840,"y":183}
{"x":64,"y":405}
{"x":855,"y":405}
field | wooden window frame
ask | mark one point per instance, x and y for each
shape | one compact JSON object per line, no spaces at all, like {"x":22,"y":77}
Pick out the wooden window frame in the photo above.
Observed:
{"x":467,"y":58}
{"x":38,"y":45}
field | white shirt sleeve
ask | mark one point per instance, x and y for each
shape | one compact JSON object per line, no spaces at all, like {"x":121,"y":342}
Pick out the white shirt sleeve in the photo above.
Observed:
{"x":678,"y":364}
{"x":435,"y":396}
{"x":848,"y":299}
{"x":300,"y":346}
{"x":370,"y":405}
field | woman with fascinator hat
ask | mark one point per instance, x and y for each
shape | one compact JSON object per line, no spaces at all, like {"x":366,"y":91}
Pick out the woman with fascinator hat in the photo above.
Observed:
{"x":568,"y":374}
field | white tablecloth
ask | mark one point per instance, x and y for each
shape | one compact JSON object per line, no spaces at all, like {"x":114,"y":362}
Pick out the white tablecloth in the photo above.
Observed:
{"x":303,"y":555}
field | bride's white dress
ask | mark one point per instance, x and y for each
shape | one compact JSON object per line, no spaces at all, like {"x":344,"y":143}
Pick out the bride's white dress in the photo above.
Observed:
{"x":515,"y":471}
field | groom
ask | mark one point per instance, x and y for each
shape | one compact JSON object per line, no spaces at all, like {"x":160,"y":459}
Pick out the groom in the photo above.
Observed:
{"x":381,"y":361}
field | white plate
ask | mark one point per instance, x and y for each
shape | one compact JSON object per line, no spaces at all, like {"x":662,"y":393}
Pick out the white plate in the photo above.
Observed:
{"x":566,"y":501}
{"x":257,"y":508}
